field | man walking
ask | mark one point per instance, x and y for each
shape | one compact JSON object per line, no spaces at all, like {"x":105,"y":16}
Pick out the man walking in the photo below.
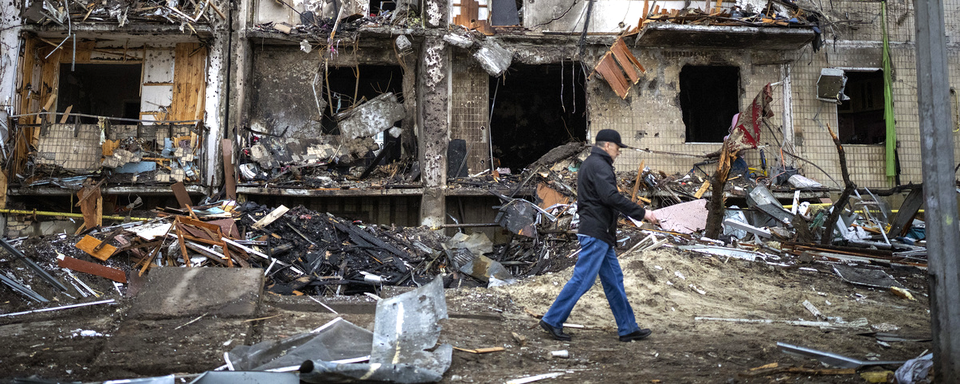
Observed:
{"x":598,"y":204}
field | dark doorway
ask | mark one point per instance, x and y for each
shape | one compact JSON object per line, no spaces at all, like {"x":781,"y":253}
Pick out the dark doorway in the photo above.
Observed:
{"x":860,"y":118}
{"x":111,"y":90}
{"x":536,"y":108}
{"x":709,"y":97}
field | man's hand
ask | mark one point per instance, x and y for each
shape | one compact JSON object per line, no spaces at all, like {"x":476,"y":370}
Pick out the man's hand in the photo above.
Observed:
{"x":649,"y":216}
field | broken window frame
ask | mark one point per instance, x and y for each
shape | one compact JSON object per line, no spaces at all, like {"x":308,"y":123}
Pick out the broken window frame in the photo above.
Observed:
{"x":847,"y":97}
{"x":725,"y":128}
{"x":40,"y":68}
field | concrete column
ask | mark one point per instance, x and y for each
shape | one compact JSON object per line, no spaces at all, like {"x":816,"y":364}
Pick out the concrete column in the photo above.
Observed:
{"x":434,"y":122}
{"x":788,"y":131}
{"x":939,"y":189}
{"x":408,"y":139}
{"x":239,"y":60}
{"x":240,"y":68}
{"x":9,"y":56}
{"x":215,"y":106}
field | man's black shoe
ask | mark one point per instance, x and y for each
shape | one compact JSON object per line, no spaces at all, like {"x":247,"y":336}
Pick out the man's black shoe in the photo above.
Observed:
{"x":556,"y":333}
{"x":637,"y":335}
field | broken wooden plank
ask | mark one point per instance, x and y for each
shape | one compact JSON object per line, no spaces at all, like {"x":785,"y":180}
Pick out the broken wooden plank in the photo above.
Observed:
{"x":183,"y":246}
{"x":481,"y":350}
{"x":91,"y":205}
{"x":621,"y":53}
{"x":3,"y":190}
{"x":271,"y":217}
{"x":849,"y":186}
{"x":286,"y":29}
{"x":66,"y":114}
{"x":92,"y":268}
{"x":703,"y":189}
{"x":636,"y":184}
{"x":180,"y":192}
{"x":96,"y":248}
{"x":613,"y":75}
{"x":230,"y":179}
{"x":911,"y":205}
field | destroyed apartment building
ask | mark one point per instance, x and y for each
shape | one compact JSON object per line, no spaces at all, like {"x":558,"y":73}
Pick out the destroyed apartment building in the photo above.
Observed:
{"x":339,"y":149}
{"x":410,"y":113}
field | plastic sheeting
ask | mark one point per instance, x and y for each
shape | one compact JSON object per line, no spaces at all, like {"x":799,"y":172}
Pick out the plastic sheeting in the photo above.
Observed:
{"x":915,"y":370}
{"x":734,"y":213}
{"x":406,"y":326}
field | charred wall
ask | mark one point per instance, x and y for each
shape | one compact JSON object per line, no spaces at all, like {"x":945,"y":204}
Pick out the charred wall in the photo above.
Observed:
{"x":283,"y":92}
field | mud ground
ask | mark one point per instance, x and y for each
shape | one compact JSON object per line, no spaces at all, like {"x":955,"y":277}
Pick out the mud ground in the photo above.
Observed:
{"x":668,"y":289}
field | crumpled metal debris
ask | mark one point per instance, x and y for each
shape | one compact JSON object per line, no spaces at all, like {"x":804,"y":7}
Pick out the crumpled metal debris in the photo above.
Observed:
{"x":370,"y":118}
{"x":335,"y":341}
{"x":406,"y":326}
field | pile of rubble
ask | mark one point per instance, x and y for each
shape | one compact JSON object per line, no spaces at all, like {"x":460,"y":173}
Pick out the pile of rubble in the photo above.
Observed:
{"x":776,"y":13}
{"x":314,"y":253}
{"x":124,"y":12}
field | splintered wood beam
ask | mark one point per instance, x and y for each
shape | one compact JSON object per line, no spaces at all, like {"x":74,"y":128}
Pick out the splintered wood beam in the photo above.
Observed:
{"x":827,"y":236}
{"x":715,"y":207}
{"x":271,"y":217}
{"x":611,"y":73}
{"x":92,"y":268}
{"x":66,"y":114}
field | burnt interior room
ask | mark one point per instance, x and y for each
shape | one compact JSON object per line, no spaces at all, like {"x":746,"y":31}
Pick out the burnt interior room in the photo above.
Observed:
{"x":709,"y":97}
{"x":345,"y":91}
{"x":534,"y":109}
{"x":100,"y":89}
{"x":377,"y":7}
{"x":374,"y":80}
{"x":860,"y":118}
{"x":401,"y":211}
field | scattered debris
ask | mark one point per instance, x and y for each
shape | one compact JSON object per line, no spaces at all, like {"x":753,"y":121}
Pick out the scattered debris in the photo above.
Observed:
{"x":406,"y":326}
{"x":832,"y":359}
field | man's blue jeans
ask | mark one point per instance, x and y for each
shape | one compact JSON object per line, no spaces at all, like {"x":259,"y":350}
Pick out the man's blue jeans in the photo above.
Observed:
{"x":596,"y":257}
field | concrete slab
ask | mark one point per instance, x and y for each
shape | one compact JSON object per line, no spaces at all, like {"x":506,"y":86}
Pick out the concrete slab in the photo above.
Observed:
{"x":191,"y":292}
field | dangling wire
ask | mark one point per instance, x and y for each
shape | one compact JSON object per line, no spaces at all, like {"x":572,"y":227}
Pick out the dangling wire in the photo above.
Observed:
{"x":562,"y":104}
{"x":573,"y":81}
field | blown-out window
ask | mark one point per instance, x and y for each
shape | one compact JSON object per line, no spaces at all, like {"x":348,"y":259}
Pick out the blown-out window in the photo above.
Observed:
{"x":860,"y":114}
{"x":709,"y":97}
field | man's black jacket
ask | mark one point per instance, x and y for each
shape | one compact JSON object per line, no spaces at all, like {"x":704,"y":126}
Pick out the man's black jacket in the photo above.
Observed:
{"x":598,"y":200}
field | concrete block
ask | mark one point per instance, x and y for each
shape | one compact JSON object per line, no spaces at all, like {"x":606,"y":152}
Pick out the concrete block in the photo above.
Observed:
{"x":190,"y":292}
{"x":493,"y":58}
{"x":372,"y":117}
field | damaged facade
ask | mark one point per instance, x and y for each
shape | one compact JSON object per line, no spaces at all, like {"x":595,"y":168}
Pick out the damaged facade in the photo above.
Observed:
{"x":128,"y":94}
{"x":408,"y":113}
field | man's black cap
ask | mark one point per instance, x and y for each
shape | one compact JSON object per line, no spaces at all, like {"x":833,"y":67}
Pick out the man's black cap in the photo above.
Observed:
{"x":610,"y":135}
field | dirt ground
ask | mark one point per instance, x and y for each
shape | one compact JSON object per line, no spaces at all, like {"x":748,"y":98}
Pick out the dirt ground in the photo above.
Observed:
{"x":669,"y":289}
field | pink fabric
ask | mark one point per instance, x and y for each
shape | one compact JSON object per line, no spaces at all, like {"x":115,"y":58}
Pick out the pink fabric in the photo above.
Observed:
{"x":746,"y":132}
